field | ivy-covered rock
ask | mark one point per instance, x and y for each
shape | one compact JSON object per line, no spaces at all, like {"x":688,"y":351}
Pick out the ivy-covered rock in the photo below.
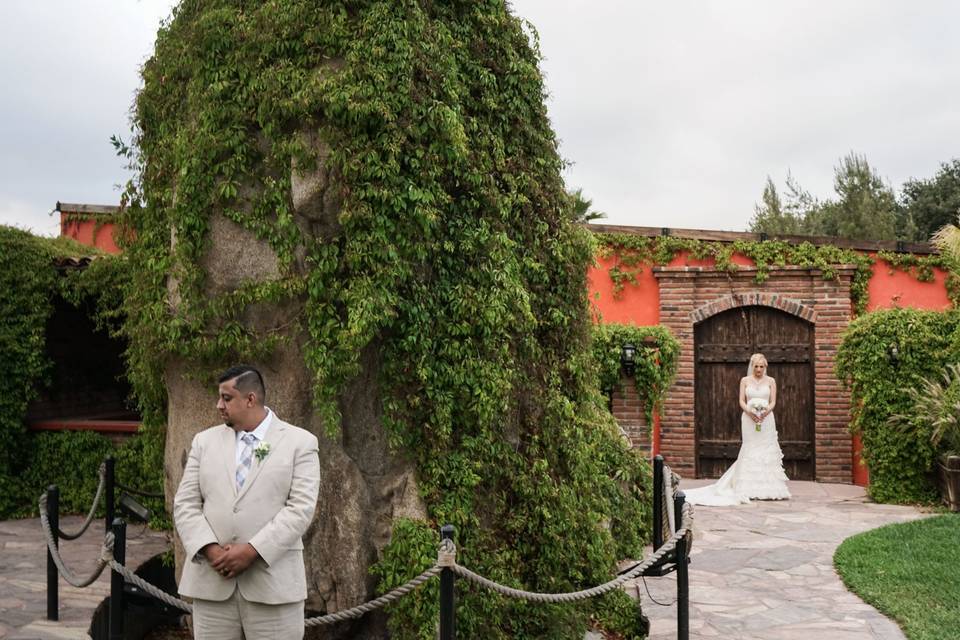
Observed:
{"x":365,"y":198}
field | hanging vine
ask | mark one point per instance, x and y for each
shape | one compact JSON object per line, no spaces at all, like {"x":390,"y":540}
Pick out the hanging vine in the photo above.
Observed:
{"x":632,"y":253}
{"x":655,"y":366}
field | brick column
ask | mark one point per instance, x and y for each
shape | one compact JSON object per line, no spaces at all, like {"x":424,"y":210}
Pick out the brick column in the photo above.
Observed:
{"x":677,"y":302}
{"x":833,"y":445}
{"x":631,"y":416}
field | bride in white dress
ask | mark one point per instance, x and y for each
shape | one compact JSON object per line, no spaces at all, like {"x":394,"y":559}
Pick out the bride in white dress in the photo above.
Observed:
{"x":758,"y":471}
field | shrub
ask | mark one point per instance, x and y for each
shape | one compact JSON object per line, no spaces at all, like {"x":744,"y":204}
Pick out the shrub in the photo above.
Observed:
{"x":882,"y":354}
{"x":71,"y":460}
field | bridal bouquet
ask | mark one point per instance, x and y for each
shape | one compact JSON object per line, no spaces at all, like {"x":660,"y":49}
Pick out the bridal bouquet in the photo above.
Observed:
{"x":757,"y":406}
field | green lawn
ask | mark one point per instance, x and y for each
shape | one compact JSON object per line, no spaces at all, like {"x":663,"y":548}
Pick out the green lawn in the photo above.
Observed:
{"x":910,"y":572}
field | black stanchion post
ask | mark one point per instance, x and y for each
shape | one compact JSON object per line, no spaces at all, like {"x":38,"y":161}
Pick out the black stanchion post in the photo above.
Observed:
{"x":116,"y":579}
{"x":109,"y":493}
{"x":683,"y":579}
{"x":53,"y":577}
{"x":657,"y":502}
{"x":447,"y":603}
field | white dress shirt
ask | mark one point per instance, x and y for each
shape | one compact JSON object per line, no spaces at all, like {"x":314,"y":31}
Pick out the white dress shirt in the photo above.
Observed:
{"x":259,"y":433}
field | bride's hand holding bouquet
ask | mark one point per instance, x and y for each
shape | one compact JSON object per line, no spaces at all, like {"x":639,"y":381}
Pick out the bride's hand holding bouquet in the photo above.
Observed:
{"x":758,"y":406}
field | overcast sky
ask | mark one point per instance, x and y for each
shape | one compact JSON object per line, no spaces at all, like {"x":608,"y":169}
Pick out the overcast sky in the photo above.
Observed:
{"x":671,"y":113}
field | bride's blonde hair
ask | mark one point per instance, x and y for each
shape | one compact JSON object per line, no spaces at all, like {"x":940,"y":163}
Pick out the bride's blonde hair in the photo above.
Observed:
{"x":753,"y":359}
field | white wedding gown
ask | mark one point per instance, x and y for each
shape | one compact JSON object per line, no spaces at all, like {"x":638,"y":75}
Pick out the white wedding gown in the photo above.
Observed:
{"x":758,"y":471}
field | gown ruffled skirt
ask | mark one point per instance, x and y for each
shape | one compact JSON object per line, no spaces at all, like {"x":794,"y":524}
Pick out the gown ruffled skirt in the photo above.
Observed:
{"x":757,"y":473}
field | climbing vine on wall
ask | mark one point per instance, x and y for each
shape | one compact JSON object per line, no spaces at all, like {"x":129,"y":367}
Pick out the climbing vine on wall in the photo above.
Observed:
{"x":28,"y":279}
{"x":99,"y":220}
{"x":31,"y":283}
{"x":882,"y":354}
{"x":921,"y":267}
{"x":655,"y":364}
{"x":445,"y":240}
{"x":633,"y":253}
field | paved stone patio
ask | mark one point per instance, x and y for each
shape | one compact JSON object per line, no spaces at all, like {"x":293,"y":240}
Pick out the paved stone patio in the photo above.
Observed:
{"x":764,"y":571}
{"x":761,"y":571}
{"x":23,"y":576}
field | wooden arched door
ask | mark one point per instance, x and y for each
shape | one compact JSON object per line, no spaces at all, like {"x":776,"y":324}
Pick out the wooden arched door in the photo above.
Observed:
{"x":723,"y":345}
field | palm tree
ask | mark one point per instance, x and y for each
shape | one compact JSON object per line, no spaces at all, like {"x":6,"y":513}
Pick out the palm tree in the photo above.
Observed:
{"x":947,"y":239}
{"x":582,"y":208}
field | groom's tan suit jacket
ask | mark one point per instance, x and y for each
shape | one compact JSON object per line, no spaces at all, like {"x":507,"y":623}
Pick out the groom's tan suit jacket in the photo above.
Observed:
{"x":272,"y":512}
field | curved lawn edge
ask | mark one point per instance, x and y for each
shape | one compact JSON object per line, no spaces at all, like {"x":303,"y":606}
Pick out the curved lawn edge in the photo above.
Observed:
{"x":910,"y":572}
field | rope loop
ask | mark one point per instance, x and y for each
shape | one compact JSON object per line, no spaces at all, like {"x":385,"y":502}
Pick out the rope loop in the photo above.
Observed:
{"x":93,"y":508}
{"x":55,"y":552}
{"x":678,"y":537}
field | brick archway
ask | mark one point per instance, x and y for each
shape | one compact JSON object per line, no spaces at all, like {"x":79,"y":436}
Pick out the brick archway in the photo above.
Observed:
{"x":754,"y":298}
{"x":688,"y":295}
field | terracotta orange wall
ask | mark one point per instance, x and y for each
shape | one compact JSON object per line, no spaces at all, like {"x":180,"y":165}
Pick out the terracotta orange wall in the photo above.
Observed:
{"x":639,"y":304}
{"x":83,"y":232}
{"x":891,"y":288}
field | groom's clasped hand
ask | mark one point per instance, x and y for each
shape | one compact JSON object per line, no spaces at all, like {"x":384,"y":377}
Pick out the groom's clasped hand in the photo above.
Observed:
{"x":230,"y":560}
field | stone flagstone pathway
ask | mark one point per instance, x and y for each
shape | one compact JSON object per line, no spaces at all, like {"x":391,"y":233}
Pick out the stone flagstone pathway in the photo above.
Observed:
{"x":764,"y":571}
{"x":23,"y":577}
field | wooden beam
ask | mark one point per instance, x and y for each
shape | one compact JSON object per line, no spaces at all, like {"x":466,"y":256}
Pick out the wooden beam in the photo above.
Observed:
{"x":70,"y":424}
{"x":90,"y":209}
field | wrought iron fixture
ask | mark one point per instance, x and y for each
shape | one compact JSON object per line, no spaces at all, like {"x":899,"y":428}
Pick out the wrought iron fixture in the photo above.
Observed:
{"x":628,"y":358}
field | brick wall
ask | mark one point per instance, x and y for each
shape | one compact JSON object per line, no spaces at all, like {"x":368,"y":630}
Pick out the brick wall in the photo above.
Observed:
{"x":629,"y":412}
{"x":691,"y":294}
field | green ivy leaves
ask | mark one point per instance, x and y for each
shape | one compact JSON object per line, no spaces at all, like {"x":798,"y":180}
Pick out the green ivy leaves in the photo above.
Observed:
{"x":448,"y":250}
{"x":28,"y":280}
{"x":656,"y":360}
{"x":881,"y":354}
{"x":632,"y":253}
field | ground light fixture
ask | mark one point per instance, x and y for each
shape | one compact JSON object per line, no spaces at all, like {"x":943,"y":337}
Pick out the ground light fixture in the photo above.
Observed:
{"x":134,"y":511}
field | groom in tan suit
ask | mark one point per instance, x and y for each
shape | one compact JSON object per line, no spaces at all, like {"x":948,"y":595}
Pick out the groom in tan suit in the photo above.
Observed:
{"x":247,"y":496}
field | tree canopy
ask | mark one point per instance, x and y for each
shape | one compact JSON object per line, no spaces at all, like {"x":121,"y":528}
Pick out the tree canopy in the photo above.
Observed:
{"x":865,"y":207}
{"x":933,"y":202}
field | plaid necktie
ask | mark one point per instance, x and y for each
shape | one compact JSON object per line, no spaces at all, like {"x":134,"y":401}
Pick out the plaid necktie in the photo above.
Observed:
{"x":246,"y":458}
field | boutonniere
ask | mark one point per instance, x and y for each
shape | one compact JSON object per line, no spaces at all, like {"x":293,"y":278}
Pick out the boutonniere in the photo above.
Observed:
{"x":261,"y":451}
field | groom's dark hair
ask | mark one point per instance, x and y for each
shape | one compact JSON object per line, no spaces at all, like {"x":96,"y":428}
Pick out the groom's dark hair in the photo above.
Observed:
{"x":247,"y":379}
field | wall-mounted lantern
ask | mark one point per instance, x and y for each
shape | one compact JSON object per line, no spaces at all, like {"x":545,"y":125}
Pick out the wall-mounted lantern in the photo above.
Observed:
{"x":628,"y":358}
{"x":893,"y":354}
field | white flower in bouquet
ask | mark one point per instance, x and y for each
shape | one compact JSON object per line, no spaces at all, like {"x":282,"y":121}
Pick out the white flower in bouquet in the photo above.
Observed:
{"x":757,"y":406}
